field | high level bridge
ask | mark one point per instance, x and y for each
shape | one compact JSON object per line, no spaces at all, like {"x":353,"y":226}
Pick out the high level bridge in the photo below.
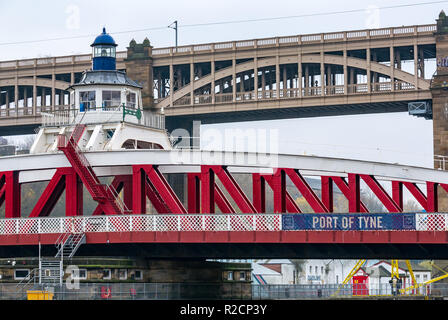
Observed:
{"x":349,"y":72}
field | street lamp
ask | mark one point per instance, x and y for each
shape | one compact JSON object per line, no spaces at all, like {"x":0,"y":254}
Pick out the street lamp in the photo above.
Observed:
{"x":175,"y":29}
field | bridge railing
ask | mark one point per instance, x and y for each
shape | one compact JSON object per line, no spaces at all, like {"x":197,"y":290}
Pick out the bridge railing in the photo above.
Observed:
{"x":366,"y":34}
{"x":227,"y":222}
{"x":295,"y":93}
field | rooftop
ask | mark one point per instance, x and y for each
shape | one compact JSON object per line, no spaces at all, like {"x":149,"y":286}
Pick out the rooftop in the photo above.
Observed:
{"x":110,"y":77}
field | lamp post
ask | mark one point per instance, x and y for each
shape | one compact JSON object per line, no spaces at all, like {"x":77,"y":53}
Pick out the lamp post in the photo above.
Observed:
{"x":175,"y":29}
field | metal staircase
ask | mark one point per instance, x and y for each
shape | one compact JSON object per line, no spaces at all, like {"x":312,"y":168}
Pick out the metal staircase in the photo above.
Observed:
{"x":68,"y":244}
{"x":106,"y":195}
{"x":51,"y":271}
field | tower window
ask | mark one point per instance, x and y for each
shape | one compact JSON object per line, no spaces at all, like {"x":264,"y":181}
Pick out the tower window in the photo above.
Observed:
{"x":131,"y":99}
{"x":111,"y":98}
{"x":104,"y":51}
{"x":87,"y":100}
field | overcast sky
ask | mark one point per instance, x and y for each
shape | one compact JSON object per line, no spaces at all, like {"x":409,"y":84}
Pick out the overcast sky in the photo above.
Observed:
{"x":394,"y":137}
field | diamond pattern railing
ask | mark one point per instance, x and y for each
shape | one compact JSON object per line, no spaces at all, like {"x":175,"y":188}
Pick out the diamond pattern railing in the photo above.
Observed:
{"x":126,"y":223}
{"x":182,"y":222}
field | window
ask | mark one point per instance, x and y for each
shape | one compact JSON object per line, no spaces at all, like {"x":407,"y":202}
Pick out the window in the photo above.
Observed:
{"x":20,"y":274}
{"x":107,"y":274}
{"x":87,"y":100}
{"x":315,"y":269}
{"x":321,"y":270}
{"x":131,"y":99}
{"x":242,"y":275}
{"x":138,"y":275}
{"x":230,"y":275}
{"x":111,"y":99}
{"x":104,"y":51}
{"x":122,"y":274}
{"x":80,"y":275}
{"x":311,"y":269}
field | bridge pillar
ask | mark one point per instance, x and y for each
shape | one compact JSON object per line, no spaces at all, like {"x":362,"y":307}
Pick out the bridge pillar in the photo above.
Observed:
{"x":139,"y":67}
{"x":439,"y":92}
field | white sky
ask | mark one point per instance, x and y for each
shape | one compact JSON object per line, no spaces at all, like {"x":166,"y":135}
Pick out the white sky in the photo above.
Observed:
{"x":393,"y":137}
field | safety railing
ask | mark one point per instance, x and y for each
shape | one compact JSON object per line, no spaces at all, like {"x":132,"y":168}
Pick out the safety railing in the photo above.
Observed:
{"x":227,"y":222}
{"x":440,"y":162}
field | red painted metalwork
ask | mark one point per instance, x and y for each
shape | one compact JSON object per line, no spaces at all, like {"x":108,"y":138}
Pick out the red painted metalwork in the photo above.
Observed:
{"x":382,"y":195}
{"x":103,"y":194}
{"x":149,"y":182}
{"x":343,"y":186}
{"x":283,"y":201}
{"x":63,"y":179}
{"x":120,"y":183}
{"x":354,"y":199}
{"x":306,"y":191}
{"x":327,"y":192}
{"x":204,"y":194}
{"x":194,"y":198}
{"x":208,"y":189}
{"x":325,"y":237}
{"x":10,"y":193}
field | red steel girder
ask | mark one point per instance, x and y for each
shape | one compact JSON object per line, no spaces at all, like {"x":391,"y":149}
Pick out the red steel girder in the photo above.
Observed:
{"x":119,"y":183}
{"x":10,"y":193}
{"x":306,"y":191}
{"x":382,"y":195}
{"x":351,"y":193}
{"x":194,"y":197}
{"x":422,"y":199}
{"x":208,"y":189}
{"x":283,"y":202}
{"x":64,"y":178}
{"x":160,"y":193}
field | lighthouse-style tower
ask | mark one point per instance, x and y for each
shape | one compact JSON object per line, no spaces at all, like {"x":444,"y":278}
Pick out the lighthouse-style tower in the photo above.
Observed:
{"x":109,"y":105}
{"x":103,"y":52}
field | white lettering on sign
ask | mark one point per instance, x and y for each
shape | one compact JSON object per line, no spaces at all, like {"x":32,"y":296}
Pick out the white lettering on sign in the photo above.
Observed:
{"x":347,"y":222}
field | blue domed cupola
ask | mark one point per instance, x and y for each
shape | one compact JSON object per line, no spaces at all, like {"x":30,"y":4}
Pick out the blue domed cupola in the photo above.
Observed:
{"x":103,"y":54}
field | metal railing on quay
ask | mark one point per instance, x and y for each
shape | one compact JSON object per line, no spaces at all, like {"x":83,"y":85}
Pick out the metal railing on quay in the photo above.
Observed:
{"x":238,"y":290}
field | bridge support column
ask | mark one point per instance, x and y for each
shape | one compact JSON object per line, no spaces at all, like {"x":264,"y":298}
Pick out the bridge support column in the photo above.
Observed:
{"x":439,"y":92}
{"x":255,"y":78}
{"x":392,"y":68}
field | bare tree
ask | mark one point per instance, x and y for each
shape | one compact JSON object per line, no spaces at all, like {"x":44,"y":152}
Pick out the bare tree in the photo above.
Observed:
{"x":411,"y":206}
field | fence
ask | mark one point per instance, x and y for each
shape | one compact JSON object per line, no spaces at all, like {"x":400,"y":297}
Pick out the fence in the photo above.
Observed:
{"x":335,"y":291}
{"x":219,"y":291}
{"x":136,"y":291}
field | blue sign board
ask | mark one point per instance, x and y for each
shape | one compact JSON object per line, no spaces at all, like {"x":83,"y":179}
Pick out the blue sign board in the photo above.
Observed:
{"x":356,"y":222}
